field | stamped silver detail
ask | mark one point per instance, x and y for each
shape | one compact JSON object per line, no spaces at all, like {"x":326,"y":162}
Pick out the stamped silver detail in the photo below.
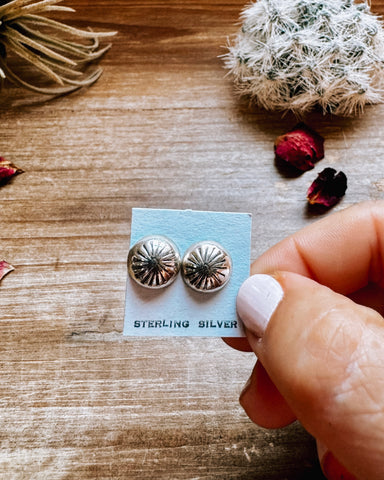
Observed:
{"x":206,"y":267}
{"x":154,"y":262}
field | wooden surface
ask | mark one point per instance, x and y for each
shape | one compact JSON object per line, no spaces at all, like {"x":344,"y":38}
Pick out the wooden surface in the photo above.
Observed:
{"x":160,"y":129}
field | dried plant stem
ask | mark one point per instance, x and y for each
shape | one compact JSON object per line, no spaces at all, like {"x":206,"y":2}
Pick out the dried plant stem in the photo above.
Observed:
{"x":48,"y":46}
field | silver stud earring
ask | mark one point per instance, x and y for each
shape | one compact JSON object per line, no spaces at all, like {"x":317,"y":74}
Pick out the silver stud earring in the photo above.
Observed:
{"x":154,"y":262}
{"x":206,"y":267}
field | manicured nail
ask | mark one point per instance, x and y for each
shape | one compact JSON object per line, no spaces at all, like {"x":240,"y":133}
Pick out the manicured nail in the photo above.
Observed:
{"x":333,"y":470}
{"x":257,"y":299}
{"x":247,"y":396}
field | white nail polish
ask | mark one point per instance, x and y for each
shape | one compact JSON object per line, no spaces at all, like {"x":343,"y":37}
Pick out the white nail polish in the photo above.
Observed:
{"x":257,"y":300}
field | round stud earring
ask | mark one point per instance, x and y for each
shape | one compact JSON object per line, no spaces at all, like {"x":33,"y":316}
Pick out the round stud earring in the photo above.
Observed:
{"x":206,"y":267}
{"x":154,"y":262}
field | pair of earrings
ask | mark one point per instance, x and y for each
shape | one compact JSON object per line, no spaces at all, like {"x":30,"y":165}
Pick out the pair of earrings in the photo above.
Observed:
{"x":154,"y":262}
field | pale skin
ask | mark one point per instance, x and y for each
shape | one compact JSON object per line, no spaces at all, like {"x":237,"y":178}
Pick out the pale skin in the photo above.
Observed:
{"x":321,"y":358}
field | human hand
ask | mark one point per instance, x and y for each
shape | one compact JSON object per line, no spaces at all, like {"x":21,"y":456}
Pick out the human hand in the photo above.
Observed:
{"x":321,"y":354}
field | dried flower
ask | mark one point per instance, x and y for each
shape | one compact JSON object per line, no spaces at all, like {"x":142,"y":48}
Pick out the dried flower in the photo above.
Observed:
{"x":8,"y":170}
{"x":328,"y":188}
{"x":300,"y":147}
{"x":5,"y":268}
{"x":298,"y":54}
{"x":48,"y":46}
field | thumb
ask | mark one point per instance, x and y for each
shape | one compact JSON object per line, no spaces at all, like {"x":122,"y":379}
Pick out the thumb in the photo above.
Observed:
{"x":325,"y":355}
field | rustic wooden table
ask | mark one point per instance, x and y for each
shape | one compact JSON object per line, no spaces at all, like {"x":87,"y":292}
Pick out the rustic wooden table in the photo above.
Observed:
{"x":161,"y":128}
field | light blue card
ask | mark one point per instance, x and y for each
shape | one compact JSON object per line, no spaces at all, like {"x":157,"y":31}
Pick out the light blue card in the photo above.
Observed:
{"x":177,"y":310}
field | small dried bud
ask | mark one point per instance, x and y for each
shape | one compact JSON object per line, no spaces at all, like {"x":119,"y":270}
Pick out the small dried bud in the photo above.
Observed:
{"x":328,"y":188}
{"x":8,"y":170}
{"x":5,"y":268}
{"x":300,"y":147}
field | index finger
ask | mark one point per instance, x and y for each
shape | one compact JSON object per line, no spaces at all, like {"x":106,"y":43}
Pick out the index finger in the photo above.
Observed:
{"x":344,"y":251}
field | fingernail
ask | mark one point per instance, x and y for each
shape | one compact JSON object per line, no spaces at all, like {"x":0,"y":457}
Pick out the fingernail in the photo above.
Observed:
{"x":257,"y":299}
{"x":246,"y":398}
{"x":246,"y":388}
{"x":333,"y":470}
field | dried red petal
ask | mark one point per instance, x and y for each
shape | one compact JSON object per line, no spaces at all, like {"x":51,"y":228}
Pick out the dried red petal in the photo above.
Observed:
{"x":8,"y":170}
{"x":328,"y":188}
{"x":5,"y":268}
{"x":300,"y":147}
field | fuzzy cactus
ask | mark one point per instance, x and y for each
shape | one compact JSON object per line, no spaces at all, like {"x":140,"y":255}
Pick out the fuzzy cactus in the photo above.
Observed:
{"x":301,"y":54}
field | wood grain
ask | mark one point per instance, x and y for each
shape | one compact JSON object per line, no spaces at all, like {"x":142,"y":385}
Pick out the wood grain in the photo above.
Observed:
{"x":160,"y":129}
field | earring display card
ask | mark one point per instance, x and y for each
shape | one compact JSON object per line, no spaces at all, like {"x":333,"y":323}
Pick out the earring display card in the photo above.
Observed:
{"x":177,"y":310}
